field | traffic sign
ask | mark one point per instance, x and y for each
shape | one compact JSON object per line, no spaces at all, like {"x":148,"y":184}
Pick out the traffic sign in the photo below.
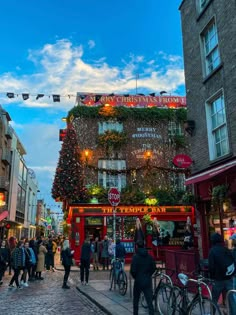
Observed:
{"x":114,"y":196}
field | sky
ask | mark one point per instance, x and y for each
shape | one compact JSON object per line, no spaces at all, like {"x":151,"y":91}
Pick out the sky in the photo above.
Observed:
{"x":69,"y":46}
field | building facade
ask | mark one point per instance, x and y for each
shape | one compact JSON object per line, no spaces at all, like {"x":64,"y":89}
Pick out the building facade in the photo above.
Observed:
{"x":209,"y":45}
{"x":129,"y":142}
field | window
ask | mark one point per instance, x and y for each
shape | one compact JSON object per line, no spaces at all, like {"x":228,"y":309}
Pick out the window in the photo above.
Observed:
{"x":175,"y":129}
{"x":217,"y":128}
{"x":211,"y":48}
{"x":109,"y":179}
{"x":109,"y":125}
{"x":202,"y":4}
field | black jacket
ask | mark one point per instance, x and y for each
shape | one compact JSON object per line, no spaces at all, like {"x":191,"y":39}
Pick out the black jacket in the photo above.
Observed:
{"x":142,"y":268}
{"x":120,"y":250}
{"x":139,"y":235}
{"x":66,"y":257}
{"x":85,"y":251}
{"x":216,"y":256}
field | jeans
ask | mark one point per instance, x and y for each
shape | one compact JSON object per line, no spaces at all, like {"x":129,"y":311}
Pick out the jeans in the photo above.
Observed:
{"x":67,"y":273}
{"x":147,"y":291}
{"x":84,"y":268}
{"x":15,"y":277}
{"x":220,"y":286}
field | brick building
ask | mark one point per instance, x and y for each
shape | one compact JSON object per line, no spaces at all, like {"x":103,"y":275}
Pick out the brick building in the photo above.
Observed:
{"x":129,"y":142}
{"x":209,"y":45}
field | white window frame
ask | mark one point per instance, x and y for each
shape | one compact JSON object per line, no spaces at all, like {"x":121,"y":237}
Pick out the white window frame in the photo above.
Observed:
{"x":210,"y":48}
{"x":112,"y":180}
{"x":175,"y":129}
{"x":201,"y":4}
{"x":104,"y":126}
{"x":219,"y":116}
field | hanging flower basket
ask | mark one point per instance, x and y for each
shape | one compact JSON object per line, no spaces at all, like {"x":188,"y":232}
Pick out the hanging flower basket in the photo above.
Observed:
{"x":112,"y":138}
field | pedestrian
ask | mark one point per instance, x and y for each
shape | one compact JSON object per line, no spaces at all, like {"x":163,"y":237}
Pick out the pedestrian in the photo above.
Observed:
{"x":34,"y":256}
{"x":12,"y":245}
{"x":66,"y":257}
{"x":138,"y":233}
{"x":41,"y":260}
{"x":95,"y":254}
{"x":4,"y":259}
{"x":51,"y":247}
{"x":105,"y":253}
{"x":17,"y":263}
{"x":142,"y":268}
{"x":233,"y":238}
{"x":23,"y":280}
{"x":221,"y":267}
{"x":85,"y":261}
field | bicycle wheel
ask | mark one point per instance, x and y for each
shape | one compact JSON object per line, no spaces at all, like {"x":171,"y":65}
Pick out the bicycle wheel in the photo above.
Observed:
{"x":203,"y":306}
{"x":163,"y":298}
{"x":122,"y":282}
{"x":111,"y":278}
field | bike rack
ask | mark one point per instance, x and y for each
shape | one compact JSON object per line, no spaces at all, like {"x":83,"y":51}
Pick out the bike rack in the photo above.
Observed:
{"x":231,"y":295}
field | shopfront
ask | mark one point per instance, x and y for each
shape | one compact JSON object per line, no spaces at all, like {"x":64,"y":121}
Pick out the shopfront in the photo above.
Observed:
{"x":90,"y":221}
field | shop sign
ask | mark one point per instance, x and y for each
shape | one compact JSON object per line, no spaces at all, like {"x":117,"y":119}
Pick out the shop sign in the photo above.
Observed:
{"x":93,"y":221}
{"x":182,"y":161}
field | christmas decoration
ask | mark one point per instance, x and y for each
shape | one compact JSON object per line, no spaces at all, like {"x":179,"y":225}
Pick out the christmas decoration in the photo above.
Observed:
{"x":69,"y":179}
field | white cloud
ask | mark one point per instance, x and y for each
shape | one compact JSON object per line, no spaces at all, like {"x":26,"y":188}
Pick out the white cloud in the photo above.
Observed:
{"x":91,"y":43}
{"x":60,"y":68}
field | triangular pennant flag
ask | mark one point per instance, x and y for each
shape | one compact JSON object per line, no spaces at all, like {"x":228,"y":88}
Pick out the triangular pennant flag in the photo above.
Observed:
{"x":152,"y":94}
{"x":97,"y":98}
{"x":10,"y":95}
{"x":25,"y":96}
{"x":39,"y":95}
{"x":56,"y":98}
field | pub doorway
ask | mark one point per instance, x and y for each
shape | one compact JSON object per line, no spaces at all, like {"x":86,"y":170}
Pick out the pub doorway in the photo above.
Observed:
{"x":91,"y":232}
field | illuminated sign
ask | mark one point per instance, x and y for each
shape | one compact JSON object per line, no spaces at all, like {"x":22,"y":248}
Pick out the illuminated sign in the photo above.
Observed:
{"x":133,"y":100}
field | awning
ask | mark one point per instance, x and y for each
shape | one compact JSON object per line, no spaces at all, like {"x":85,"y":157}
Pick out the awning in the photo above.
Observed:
{"x":210,"y":173}
{"x":3,"y":215}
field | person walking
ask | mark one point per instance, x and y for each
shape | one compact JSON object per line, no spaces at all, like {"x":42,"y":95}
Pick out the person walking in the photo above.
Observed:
{"x":221,"y":267}
{"x":51,"y":247}
{"x":138,"y":233}
{"x":41,"y":260}
{"x":66,"y":257}
{"x":4,"y":259}
{"x":105,"y":253}
{"x":18,"y":264}
{"x":34,"y":256}
{"x":142,"y":268}
{"x":85,"y":261}
{"x":95,"y":254}
{"x":12,"y":245}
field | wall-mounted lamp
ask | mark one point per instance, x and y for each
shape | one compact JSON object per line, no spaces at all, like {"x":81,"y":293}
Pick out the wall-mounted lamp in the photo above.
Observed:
{"x":189,"y":126}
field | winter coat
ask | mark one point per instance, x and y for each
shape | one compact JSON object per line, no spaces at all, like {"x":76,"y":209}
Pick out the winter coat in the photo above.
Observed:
{"x":41,"y":258}
{"x":104,"y":249}
{"x":120,"y":250}
{"x":66,"y":257}
{"x":139,"y":235}
{"x":18,"y":258}
{"x":216,"y":257}
{"x":142,"y":268}
{"x":4,"y":255}
{"x":85,"y":251}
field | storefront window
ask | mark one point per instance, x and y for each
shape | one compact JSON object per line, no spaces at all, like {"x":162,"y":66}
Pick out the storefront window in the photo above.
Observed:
{"x":118,"y":227}
{"x":129,"y":227}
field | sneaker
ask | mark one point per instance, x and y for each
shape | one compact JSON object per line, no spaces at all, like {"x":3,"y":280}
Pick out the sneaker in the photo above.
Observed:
{"x":11,"y":286}
{"x":22,"y":282}
{"x":25,"y":284}
{"x":86,"y":283}
{"x":20,"y":287}
{"x":53,"y":269}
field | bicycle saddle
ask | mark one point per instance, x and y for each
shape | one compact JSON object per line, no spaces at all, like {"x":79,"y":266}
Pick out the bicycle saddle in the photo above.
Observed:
{"x":183,"y":278}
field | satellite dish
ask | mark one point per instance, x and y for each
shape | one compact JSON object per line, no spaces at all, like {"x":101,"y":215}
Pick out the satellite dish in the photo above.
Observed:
{"x":31,"y":173}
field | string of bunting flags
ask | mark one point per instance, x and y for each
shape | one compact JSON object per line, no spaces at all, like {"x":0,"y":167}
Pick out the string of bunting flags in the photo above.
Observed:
{"x":26,"y":96}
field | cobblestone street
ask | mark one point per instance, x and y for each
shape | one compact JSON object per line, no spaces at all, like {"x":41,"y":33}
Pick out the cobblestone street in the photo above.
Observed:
{"x":46,"y":297}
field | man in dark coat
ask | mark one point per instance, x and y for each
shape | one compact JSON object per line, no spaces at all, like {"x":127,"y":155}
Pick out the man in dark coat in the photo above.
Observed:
{"x":142,"y":268}
{"x":217,"y":255}
{"x":85,"y":261}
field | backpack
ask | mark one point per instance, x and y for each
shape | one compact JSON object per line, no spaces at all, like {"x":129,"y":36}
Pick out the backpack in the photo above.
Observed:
{"x":227,"y":263}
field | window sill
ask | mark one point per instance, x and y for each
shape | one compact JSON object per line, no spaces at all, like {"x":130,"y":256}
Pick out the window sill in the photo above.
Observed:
{"x":213,"y":73}
{"x":204,"y":9}
{"x":220,"y":159}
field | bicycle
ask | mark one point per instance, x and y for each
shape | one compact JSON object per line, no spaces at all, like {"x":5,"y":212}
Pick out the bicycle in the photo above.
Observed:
{"x":180,"y":303}
{"x":162,"y":292}
{"x":118,"y":276}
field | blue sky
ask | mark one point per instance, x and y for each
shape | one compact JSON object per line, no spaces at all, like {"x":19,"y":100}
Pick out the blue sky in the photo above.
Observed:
{"x":63,"y":47}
